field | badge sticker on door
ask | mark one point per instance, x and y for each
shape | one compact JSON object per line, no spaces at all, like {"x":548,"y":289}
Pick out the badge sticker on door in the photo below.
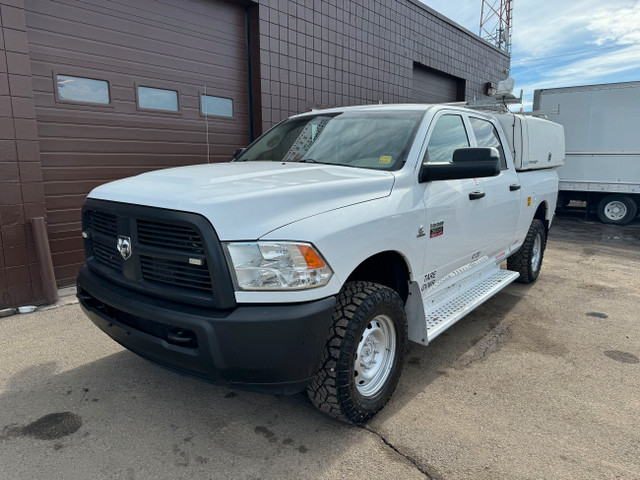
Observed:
{"x":436,"y":229}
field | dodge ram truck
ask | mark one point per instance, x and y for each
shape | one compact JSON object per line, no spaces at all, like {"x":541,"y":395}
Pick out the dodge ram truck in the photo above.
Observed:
{"x":309,"y":261}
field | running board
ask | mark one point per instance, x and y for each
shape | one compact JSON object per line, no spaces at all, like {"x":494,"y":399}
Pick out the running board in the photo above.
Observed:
{"x":454,"y":303}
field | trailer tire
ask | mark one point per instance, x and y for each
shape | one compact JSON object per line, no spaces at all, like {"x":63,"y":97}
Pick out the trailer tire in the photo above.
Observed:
{"x":617,"y":209}
{"x":364,"y":353}
{"x":527,"y":261}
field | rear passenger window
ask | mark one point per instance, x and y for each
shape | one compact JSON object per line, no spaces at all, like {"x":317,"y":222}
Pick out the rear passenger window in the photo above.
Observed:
{"x":80,"y":89}
{"x":448,"y":135}
{"x":210,"y":105}
{"x":157,"y":99}
{"x":487,"y":136}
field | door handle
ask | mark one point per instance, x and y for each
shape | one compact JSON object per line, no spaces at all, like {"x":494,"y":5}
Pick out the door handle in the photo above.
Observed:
{"x":476,"y":195}
{"x":514,"y":186}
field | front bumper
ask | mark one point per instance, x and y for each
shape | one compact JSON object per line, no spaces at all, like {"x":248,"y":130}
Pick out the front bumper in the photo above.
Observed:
{"x":271,"y":348}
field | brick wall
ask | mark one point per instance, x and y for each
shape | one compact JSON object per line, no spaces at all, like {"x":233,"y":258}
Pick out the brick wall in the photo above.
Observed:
{"x":320,"y":53}
{"x":21,"y":189}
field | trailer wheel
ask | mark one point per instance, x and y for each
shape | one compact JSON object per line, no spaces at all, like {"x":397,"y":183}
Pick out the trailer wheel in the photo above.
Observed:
{"x":617,"y":209}
{"x":364,"y":354}
{"x":527,"y":261}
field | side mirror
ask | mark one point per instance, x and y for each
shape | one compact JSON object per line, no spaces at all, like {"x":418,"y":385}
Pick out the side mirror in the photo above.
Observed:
{"x":237,"y":153}
{"x":470,"y":162}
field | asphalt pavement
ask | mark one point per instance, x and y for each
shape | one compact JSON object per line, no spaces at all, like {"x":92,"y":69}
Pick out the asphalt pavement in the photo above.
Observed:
{"x":541,"y":382}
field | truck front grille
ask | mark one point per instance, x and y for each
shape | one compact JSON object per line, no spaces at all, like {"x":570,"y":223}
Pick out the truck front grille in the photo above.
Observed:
{"x":104,"y":223}
{"x":175,"y":273}
{"x":169,"y":236}
{"x":169,"y":259}
{"x":104,"y":232}
{"x":107,"y":254}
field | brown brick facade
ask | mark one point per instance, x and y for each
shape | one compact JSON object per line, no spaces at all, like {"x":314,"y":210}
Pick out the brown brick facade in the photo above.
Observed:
{"x":322,"y":53}
{"x":21,"y":188}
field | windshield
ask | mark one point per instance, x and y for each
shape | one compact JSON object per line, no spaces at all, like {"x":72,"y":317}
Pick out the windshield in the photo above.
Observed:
{"x":379,"y":140}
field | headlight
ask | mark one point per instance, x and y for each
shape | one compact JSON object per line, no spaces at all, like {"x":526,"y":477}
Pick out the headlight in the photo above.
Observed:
{"x":277,"y":266}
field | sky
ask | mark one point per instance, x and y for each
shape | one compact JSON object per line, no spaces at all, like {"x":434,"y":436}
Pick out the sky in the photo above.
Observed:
{"x":563,"y":43}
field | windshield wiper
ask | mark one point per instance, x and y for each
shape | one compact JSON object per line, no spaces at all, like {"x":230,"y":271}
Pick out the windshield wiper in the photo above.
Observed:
{"x":308,"y":160}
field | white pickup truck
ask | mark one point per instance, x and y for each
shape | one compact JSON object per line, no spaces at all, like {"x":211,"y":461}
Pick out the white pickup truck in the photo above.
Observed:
{"x":311,"y":259}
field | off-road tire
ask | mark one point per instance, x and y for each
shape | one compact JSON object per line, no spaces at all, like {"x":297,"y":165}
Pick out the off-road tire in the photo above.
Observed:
{"x":333,"y":389}
{"x":629,"y":205}
{"x":522,"y":260}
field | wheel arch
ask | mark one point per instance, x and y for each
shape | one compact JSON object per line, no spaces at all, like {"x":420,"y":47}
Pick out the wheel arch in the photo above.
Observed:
{"x":543,"y":214}
{"x":389,"y":268}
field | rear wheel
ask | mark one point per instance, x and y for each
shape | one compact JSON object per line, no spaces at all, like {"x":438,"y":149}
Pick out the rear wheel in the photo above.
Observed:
{"x":527,"y":261}
{"x":364,"y":353}
{"x":617,"y":209}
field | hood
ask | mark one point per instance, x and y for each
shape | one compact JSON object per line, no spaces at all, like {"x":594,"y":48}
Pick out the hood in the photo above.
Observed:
{"x":246,"y":200}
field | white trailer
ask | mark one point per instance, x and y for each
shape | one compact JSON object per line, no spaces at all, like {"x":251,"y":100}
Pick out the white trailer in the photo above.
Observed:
{"x":602,"y":165}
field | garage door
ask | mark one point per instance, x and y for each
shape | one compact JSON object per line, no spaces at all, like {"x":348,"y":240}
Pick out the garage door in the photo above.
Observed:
{"x":126,"y":87}
{"x":432,"y":86}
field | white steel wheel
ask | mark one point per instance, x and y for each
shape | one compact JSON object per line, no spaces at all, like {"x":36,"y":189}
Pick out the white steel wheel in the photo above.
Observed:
{"x":373,"y":362}
{"x":615,"y":211}
{"x":536,"y":254}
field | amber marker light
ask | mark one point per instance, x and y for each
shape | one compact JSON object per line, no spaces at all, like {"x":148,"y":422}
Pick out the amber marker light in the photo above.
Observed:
{"x":311,"y":257}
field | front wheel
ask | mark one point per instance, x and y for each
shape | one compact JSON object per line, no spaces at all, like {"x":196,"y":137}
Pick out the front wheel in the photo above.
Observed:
{"x":617,"y":209}
{"x":364,"y":354}
{"x":528,"y":259}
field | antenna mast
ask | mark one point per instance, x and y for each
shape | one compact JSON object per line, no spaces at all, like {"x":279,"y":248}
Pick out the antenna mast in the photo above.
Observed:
{"x":495,"y":23}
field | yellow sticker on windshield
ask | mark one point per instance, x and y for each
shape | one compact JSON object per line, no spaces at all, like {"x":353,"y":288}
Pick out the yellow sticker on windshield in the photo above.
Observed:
{"x":386,"y":159}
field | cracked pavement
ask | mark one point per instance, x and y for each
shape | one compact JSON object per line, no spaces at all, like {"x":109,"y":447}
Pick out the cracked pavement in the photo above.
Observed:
{"x":542,"y":381}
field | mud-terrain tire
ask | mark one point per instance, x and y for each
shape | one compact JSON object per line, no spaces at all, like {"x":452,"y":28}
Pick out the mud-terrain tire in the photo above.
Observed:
{"x":364,"y":353}
{"x":527,"y":261}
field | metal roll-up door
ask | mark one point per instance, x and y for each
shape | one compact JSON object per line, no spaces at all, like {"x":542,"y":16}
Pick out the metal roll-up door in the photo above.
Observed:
{"x":139,"y":53}
{"x":432,"y":86}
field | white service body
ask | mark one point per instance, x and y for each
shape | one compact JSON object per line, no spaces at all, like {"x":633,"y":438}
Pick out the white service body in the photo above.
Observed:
{"x":535,"y":143}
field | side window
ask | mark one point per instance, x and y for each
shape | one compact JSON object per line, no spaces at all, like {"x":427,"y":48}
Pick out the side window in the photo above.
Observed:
{"x":487,"y":136}
{"x":80,"y":89}
{"x":448,"y":135}
{"x":157,"y":99}
{"x":210,"y":105}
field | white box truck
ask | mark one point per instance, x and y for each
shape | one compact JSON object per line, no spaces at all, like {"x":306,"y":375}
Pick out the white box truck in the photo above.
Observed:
{"x":602,"y":168}
{"x":312,"y":259}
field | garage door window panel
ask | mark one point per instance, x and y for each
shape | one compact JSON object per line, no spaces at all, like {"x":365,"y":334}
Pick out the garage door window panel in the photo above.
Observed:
{"x":211,"y":105}
{"x":74,"y":89}
{"x":487,"y":136}
{"x":448,"y":135}
{"x":157,"y":99}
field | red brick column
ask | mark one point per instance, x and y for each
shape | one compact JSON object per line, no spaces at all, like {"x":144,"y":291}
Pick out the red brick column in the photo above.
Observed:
{"x":21,"y":188}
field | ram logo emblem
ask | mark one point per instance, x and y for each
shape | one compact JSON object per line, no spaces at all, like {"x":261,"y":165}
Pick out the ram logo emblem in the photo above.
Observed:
{"x":124,"y":246}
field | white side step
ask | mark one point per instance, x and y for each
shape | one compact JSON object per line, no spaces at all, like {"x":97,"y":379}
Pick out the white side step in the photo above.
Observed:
{"x":447,"y":308}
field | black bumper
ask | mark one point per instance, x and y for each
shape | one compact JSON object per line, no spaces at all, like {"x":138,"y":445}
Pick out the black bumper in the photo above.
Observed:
{"x":271,"y":348}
